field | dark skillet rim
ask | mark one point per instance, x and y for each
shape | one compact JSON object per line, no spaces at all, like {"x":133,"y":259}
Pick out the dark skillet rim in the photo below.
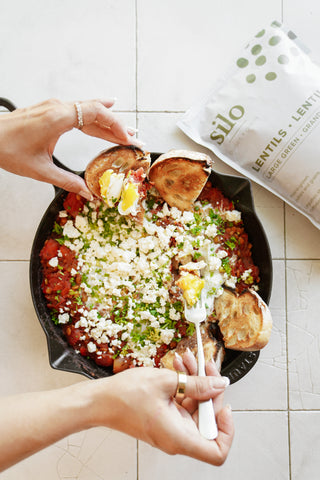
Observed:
{"x":63,"y":357}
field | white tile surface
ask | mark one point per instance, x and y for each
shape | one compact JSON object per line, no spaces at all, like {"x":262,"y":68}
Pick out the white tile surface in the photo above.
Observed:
{"x":95,"y":454}
{"x":302,"y":240}
{"x":257,"y":452}
{"x":157,"y":58}
{"x":24,"y":362}
{"x":304,"y":334}
{"x":68,"y":50}
{"x":305,"y":444}
{"x":26,"y":200}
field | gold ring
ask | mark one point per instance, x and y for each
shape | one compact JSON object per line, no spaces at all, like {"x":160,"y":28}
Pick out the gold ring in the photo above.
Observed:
{"x":79,"y":115}
{"x":181,"y":386}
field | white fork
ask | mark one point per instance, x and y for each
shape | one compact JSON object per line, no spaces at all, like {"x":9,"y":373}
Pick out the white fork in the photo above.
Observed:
{"x":207,"y":420}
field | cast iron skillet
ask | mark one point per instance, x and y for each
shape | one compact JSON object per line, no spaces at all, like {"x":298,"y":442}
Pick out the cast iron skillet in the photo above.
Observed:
{"x":63,"y":357}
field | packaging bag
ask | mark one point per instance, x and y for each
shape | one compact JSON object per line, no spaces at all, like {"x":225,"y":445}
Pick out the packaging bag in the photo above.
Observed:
{"x":263,"y":117}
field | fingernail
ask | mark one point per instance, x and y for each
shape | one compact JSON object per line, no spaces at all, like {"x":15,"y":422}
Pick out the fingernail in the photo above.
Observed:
{"x":226,"y":380}
{"x":220,"y":382}
{"x":86,"y":195}
{"x":177,"y":356}
{"x":188,"y":350}
{"x":229,"y":407}
{"x":132,"y":130}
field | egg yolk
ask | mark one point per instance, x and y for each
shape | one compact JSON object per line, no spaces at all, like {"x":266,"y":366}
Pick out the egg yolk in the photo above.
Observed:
{"x":104,"y":182}
{"x":191,"y":286}
{"x":129,"y":196}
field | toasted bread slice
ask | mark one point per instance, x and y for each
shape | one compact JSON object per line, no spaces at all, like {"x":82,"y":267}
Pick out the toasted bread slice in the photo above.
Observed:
{"x":244,"y":320}
{"x":179,"y":176}
{"x":121,"y":159}
{"x":212,"y":349}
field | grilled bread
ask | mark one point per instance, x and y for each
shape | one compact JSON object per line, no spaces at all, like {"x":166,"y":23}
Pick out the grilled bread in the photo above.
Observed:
{"x":179,"y":176}
{"x":244,"y":320}
{"x":212,"y":349}
{"x":120,"y":159}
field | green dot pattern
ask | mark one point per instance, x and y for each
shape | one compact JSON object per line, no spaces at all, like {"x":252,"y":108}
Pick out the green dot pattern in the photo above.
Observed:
{"x":256,"y":49}
{"x":250,"y":78}
{"x":271,"y":76}
{"x":261,"y":60}
{"x":274,"y":40}
{"x":283,"y":59}
{"x":242,"y":62}
{"x":260,"y":34}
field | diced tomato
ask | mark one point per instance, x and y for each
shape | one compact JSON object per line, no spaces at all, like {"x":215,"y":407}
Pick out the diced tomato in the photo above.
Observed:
{"x":67,"y":258}
{"x":160,"y":352}
{"x":83,"y":350}
{"x":216,"y":197}
{"x":73,"y":204}
{"x":73,"y":334}
{"x":57,"y":282}
{"x":49,"y":250}
{"x":105,"y":359}
{"x":120,"y":364}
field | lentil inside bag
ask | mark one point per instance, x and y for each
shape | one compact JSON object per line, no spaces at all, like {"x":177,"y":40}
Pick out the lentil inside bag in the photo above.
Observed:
{"x":262,"y":118}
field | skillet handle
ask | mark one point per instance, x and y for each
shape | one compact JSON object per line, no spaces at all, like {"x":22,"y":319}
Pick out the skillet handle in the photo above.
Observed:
{"x":6,"y":103}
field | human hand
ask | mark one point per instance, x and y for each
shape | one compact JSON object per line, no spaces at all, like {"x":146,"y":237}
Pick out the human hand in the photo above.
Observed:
{"x":29,"y":135}
{"x":140,"y":402}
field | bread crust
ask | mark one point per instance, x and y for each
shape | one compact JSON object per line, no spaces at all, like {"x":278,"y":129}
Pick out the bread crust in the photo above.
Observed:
{"x":179,"y":176}
{"x":120,"y":158}
{"x":212,"y":349}
{"x":244,"y":320}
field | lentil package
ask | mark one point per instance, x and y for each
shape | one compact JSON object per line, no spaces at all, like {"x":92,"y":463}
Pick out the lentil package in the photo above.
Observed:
{"x":262,"y":118}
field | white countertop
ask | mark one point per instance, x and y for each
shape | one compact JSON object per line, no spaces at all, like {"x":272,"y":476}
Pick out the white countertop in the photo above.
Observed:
{"x":157,"y":58}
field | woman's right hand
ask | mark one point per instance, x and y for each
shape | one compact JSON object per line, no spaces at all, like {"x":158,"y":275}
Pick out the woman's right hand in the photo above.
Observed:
{"x":140,"y":402}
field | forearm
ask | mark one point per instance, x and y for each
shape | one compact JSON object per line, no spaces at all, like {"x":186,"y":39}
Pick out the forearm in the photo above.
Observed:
{"x":32,"y":421}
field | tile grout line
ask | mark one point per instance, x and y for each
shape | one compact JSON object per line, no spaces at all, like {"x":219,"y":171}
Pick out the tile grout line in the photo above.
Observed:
{"x":14,"y":260}
{"x":287,"y":341}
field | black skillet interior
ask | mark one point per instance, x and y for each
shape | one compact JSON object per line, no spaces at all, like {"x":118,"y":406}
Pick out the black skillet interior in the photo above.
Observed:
{"x":64,"y":357}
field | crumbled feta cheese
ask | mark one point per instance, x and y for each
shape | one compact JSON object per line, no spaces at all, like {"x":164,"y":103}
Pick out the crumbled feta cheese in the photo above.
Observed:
{"x":231,"y":282}
{"x":63,"y":318}
{"x":246,"y":274}
{"x":70,"y":231}
{"x":233,"y":216}
{"x":91,"y":347}
{"x":167,"y":335}
{"x":53,"y":262}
